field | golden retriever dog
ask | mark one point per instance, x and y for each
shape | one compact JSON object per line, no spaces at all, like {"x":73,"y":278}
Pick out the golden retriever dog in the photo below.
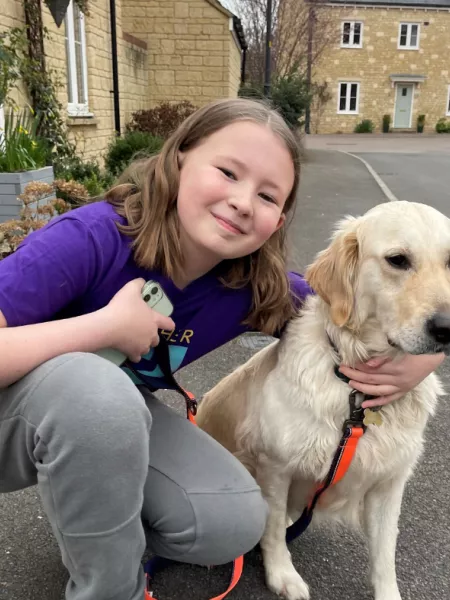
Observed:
{"x":383,"y":288}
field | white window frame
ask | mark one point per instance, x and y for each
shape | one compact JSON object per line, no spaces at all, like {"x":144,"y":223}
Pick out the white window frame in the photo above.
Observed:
{"x":408,"y":36}
{"x":352,"y":44}
{"x":447,"y":109}
{"x":76,"y":108}
{"x":346,"y":111}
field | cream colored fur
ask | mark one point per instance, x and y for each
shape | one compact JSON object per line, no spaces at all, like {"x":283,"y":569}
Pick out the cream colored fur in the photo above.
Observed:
{"x":282,"y":412}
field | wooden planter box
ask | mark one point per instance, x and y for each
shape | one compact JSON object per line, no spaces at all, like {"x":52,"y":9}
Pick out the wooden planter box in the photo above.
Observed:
{"x":13,"y":184}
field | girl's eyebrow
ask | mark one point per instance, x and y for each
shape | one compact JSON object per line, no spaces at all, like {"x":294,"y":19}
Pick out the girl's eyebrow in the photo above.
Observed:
{"x":243,"y":167}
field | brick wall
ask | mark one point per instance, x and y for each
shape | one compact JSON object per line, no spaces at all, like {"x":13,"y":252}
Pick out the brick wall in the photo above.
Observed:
{"x":167,"y":50}
{"x":191,"y":48}
{"x":379,"y":57}
{"x":93,"y":134}
{"x":12,"y":15}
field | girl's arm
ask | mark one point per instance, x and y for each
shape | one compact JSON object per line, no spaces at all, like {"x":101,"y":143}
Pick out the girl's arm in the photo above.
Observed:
{"x":388,"y":379}
{"x":24,"y":348}
{"x":126,"y":323}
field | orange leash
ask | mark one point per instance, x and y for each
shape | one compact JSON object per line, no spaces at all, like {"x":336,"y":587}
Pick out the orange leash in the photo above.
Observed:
{"x":353,"y":431}
{"x":154,"y":565}
{"x":238,"y":563}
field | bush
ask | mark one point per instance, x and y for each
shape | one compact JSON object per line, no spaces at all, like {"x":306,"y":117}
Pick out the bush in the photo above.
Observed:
{"x":420,"y":123}
{"x":134,"y":144}
{"x":39,"y":205}
{"x":163,"y":119}
{"x":443,"y":126}
{"x":386,"y":123}
{"x":86,"y":173}
{"x":289,"y":95}
{"x":366,"y":126}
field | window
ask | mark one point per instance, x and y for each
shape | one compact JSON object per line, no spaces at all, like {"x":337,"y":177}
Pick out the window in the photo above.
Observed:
{"x":348,"y":102}
{"x":408,"y":36}
{"x":448,"y":101}
{"x":77,"y":89}
{"x":351,"y":35}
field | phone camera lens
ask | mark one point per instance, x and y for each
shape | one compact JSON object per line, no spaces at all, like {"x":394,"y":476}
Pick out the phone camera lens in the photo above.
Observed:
{"x":154,"y":290}
{"x":146,"y":297}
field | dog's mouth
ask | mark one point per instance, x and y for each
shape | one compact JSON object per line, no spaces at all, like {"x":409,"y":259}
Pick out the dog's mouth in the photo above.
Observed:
{"x":393,"y":344}
{"x":434,"y":348}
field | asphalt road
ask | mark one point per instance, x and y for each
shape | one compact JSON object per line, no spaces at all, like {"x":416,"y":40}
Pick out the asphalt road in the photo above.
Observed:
{"x":333,"y":563}
{"x":416,"y":177}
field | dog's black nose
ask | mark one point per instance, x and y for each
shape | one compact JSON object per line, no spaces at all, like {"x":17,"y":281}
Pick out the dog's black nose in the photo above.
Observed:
{"x":439,"y":327}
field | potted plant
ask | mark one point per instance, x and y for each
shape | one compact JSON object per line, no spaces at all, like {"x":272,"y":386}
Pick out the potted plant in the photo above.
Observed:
{"x":23,"y":158}
{"x":420,"y":123}
{"x":386,"y":123}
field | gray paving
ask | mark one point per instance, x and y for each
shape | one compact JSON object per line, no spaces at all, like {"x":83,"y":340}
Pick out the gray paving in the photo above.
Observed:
{"x":333,"y":563}
{"x":417,"y":177}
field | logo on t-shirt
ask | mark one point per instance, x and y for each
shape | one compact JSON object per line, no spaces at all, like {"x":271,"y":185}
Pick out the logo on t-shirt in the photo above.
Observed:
{"x":148,"y":367}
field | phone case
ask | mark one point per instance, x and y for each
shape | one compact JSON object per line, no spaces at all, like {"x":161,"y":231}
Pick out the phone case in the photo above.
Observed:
{"x":154,"y":296}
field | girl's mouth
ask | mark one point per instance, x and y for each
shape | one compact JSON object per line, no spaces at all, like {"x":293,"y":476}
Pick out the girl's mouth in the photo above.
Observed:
{"x":229,"y":225}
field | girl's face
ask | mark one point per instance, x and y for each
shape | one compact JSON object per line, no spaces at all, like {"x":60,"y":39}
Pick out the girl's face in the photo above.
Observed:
{"x":233,"y":187}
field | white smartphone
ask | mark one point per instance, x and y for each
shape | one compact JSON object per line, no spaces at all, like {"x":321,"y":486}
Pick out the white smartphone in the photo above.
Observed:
{"x":154,"y":296}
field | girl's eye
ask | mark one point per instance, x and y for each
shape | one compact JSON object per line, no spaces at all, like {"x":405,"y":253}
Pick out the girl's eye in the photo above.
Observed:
{"x":228,"y":173}
{"x":268,"y":198}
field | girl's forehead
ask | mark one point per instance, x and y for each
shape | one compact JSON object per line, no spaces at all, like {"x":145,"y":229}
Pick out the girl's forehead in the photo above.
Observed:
{"x":247,"y":138}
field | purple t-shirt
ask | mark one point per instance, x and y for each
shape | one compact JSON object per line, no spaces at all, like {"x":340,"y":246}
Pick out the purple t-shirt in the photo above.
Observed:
{"x":77,"y":263}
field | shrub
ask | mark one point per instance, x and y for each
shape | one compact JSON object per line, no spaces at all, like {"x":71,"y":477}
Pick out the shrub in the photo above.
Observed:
{"x":366,"y":126}
{"x":88,"y":174}
{"x":420,"y":123}
{"x":386,"y":123}
{"x":21,"y":148}
{"x":163,"y":119}
{"x":39,"y":205}
{"x":289,"y":95}
{"x":72,"y":192}
{"x":443,"y":126}
{"x":134,"y":144}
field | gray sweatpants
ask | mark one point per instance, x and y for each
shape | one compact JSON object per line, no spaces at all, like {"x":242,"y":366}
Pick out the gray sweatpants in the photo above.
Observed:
{"x":109,"y":459}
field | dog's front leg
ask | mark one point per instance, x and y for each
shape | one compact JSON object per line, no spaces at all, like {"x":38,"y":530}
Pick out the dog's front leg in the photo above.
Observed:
{"x":281,"y":576}
{"x":381,"y":515}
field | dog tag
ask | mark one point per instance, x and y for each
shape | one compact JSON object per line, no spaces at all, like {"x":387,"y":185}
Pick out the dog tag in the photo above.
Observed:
{"x":372,"y":417}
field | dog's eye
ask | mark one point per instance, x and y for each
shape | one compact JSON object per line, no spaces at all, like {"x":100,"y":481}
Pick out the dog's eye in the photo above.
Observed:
{"x":399,"y":261}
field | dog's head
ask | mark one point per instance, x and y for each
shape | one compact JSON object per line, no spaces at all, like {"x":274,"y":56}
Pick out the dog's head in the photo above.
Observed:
{"x":392,"y":265}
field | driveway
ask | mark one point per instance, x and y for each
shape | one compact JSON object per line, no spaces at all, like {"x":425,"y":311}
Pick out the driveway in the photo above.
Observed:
{"x":415,"y":167}
{"x":333,"y":563}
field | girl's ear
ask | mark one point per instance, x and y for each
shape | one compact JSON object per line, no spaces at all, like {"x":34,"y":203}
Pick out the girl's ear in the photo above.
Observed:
{"x":181,"y":156}
{"x":281,"y":222}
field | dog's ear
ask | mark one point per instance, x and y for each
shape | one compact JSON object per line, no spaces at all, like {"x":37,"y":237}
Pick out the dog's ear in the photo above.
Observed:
{"x":332,"y":275}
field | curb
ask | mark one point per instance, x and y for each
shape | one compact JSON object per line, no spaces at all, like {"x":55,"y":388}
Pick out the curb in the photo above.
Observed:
{"x":384,"y":188}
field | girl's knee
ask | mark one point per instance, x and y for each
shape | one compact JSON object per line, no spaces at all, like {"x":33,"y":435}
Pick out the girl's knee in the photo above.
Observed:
{"x":212,"y":528}
{"x":84,"y":397}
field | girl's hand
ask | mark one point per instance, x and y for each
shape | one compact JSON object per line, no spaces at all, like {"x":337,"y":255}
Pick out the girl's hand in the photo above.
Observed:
{"x":390,"y":379}
{"x":132,"y":324}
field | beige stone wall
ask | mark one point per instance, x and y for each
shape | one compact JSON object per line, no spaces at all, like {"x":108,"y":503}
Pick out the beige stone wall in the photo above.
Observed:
{"x":379,"y":57}
{"x":12,"y":15}
{"x":93,"y":134}
{"x":167,"y":50}
{"x":190,"y":48}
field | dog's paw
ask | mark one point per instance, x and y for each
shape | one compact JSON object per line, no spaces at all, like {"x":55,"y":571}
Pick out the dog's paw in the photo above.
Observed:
{"x":388,"y":595}
{"x":286,"y":582}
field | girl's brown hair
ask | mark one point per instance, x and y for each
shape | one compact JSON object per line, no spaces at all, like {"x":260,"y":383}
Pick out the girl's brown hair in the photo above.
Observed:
{"x":146,"y":195}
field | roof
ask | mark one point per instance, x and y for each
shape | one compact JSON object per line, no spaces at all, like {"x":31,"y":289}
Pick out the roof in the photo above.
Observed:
{"x":237,"y":23}
{"x":413,"y":3}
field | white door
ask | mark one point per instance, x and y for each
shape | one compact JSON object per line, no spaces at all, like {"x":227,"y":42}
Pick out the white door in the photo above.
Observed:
{"x":403,"y":105}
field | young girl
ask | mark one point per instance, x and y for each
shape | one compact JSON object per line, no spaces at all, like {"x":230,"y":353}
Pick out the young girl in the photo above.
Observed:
{"x":205,"y":218}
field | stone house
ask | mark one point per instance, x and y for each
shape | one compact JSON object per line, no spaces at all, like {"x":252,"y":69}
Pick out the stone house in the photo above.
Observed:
{"x":385,"y":57}
{"x":149,"y":51}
